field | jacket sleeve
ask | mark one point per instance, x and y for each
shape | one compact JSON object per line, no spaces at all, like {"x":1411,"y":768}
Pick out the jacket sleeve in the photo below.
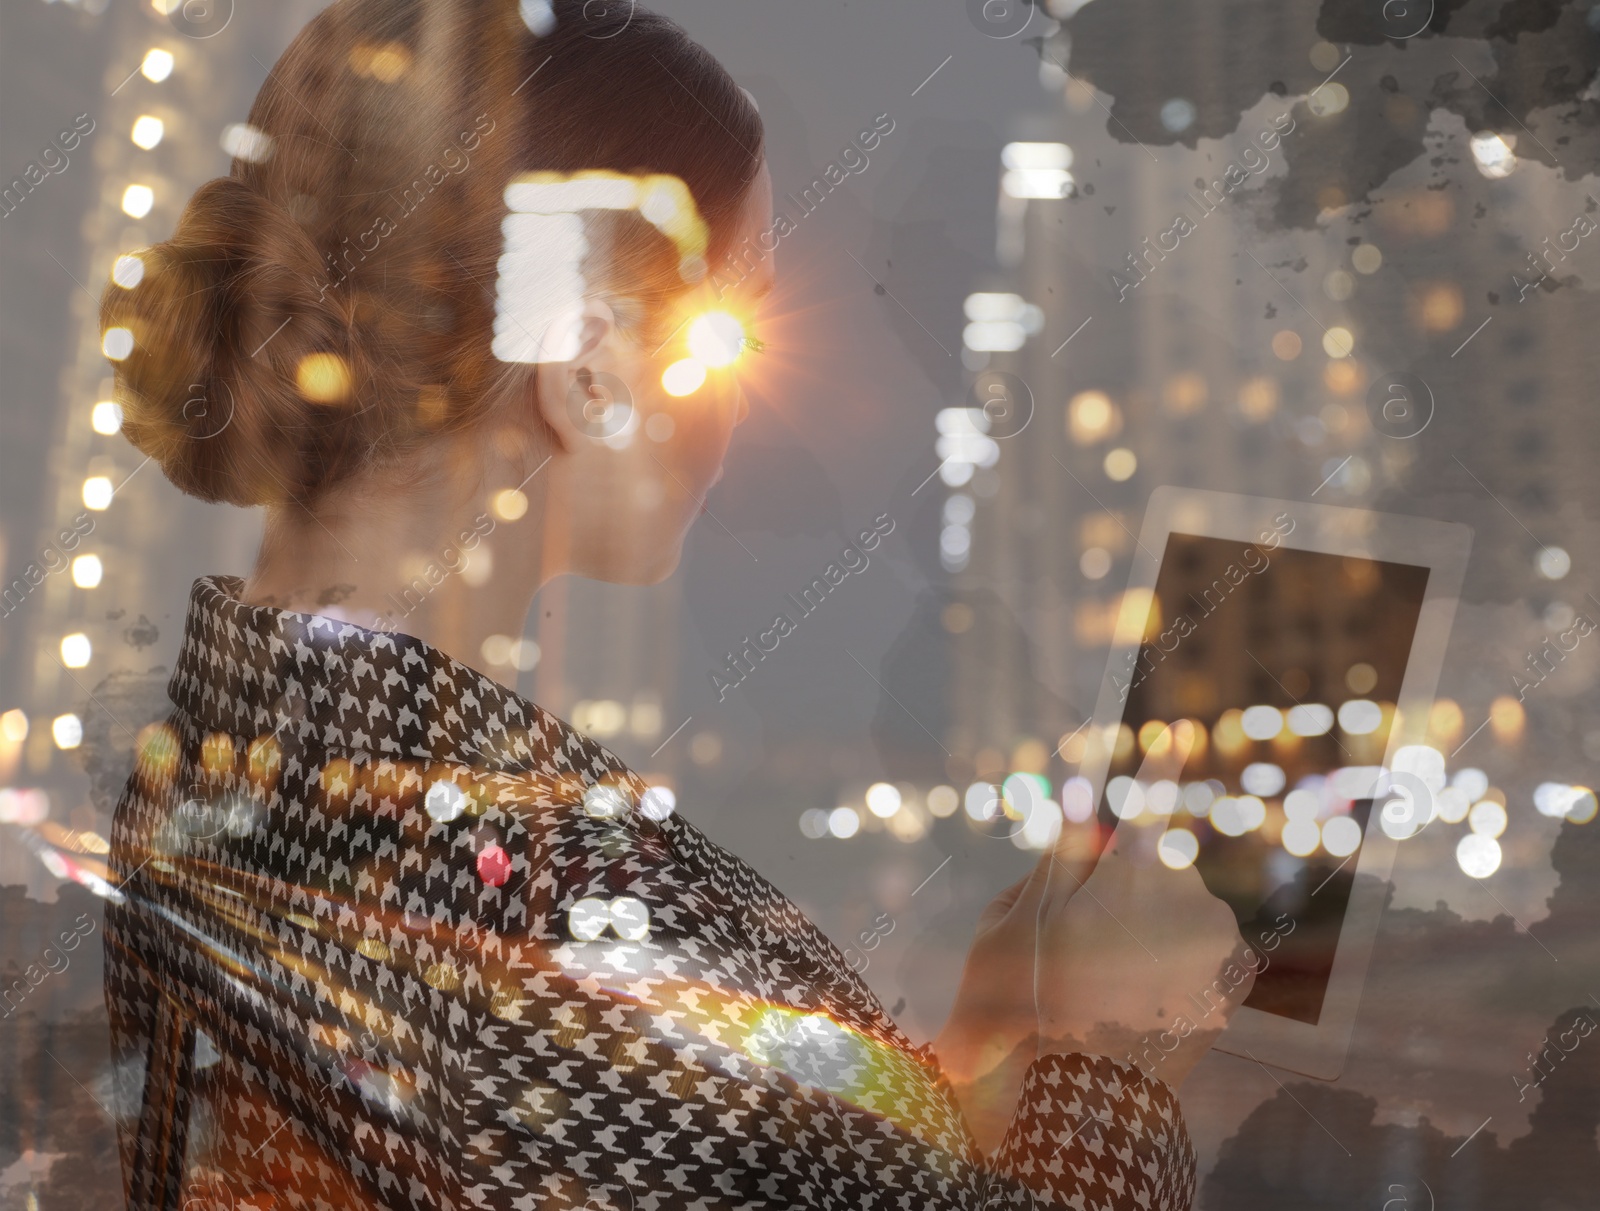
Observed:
{"x":659,"y":1059}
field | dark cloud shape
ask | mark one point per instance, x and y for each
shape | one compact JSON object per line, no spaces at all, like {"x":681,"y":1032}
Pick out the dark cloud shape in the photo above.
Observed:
{"x":1450,"y":1005}
{"x":1542,"y":59}
{"x":1317,"y":1148}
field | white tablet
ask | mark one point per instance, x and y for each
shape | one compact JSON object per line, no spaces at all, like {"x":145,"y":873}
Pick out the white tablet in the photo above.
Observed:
{"x":1308,"y":640}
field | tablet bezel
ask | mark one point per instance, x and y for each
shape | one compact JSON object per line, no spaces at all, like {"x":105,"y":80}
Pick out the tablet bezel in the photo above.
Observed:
{"x":1312,"y":1050}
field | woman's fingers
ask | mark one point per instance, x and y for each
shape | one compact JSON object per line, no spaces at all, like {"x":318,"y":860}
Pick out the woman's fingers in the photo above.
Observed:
{"x":1163,"y":762}
{"x":1022,"y":898}
{"x":1167,"y":755}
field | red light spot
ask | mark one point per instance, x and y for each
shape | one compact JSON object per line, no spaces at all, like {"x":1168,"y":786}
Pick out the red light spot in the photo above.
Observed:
{"x":494,"y":865}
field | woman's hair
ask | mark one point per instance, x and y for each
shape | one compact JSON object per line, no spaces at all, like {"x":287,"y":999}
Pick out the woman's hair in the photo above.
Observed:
{"x":329,"y":306}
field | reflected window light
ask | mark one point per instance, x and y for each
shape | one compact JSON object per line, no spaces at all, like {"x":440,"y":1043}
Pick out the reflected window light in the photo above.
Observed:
{"x":1310,"y":719}
{"x":66,"y":731}
{"x":87,"y":571}
{"x":1302,"y":837}
{"x":658,"y":802}
{"x":1162,"y":797}
{"x":1258,"y":398}
{"x":959,"y":509}
{"x":588,"y":918}
{"x":1452,"y":804}
{"x":1077,"y":799}
{"x":157,"y":65}
{"x":956,"y":474}
{"x":509,"y":504}
{"x":883,"y":800}
{"x":1367,"y":258}
{"x":1487,"y":818}
{"x":1252,"y":811}
{"x":1125,"y":797}
{"x":1178,"y":114}
{"x":1361,"y":677}
{"x":1120,"y":464}
{"x":244,"y":142}
{"x":1036,"y":170}
{"x":1506,"y":719}
{"x":1053,"y":183}
{"x":602,"y":801}
{"x":106,"y":417}
{"x":137,"y":201}
{"x":955,"y":541}
{"x":1477,"y":855}
{"x":1493,"y":154}
{"x":116,"y":343}
{"x":1262,"y":722}
{"x":1341,"y":836}
{"x":994,"y":337}
{"x":1036,"y":155}
{"x":683,"y":377}
{"x":14,"y":726}
{"x":1262,"y":778}
{"x":1360,"y":716}
{"x":1177,"y":848}
{"x":1198,"y":797}
{"x":538,"y":16}
{"x":1554,"y":799}
{"x":973,"y":448}
{"x":1095,"y":563}
{"x":630,"y":918}
{"x":943,"y":802}
{"x":1226,"y":817}
{"x":1329,"y":99}
{"x":127,"y":271}
{"x":444,"y":801}
{"x":1092,"y":417}
{"x":1582,"y":805}
{"x":1423,"y":760}
{"x":982,"y":801}
{"x":1554,"y":563}
{"x":716,"y":338}
{"x":76,"y":650}
{"x":844,"y":822}
{"x":147,"y":131}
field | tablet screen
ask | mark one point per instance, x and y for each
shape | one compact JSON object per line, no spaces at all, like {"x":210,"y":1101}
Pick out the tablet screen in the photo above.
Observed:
{"x":1293,"y":661}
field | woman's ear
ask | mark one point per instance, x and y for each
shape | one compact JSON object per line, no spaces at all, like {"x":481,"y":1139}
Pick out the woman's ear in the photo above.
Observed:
{"x":562,"y":389}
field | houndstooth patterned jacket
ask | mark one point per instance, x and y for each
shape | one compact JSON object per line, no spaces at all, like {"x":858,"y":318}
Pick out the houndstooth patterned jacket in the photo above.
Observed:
{"x":395,"y":937}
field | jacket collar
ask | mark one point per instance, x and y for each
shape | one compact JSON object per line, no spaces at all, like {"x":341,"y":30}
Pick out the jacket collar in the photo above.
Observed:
{"x":254,"y":670}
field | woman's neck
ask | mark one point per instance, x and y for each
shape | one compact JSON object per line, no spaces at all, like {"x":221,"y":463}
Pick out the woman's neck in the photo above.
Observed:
{"x":449,"y":571}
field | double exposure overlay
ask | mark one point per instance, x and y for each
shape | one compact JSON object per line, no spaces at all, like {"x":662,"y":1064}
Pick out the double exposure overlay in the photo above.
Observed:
{"x":939,"y":604}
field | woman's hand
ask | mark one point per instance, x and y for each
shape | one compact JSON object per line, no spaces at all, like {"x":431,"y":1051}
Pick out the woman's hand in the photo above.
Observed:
{"x":989,"y":1040}
{"x":1127,"y":955}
